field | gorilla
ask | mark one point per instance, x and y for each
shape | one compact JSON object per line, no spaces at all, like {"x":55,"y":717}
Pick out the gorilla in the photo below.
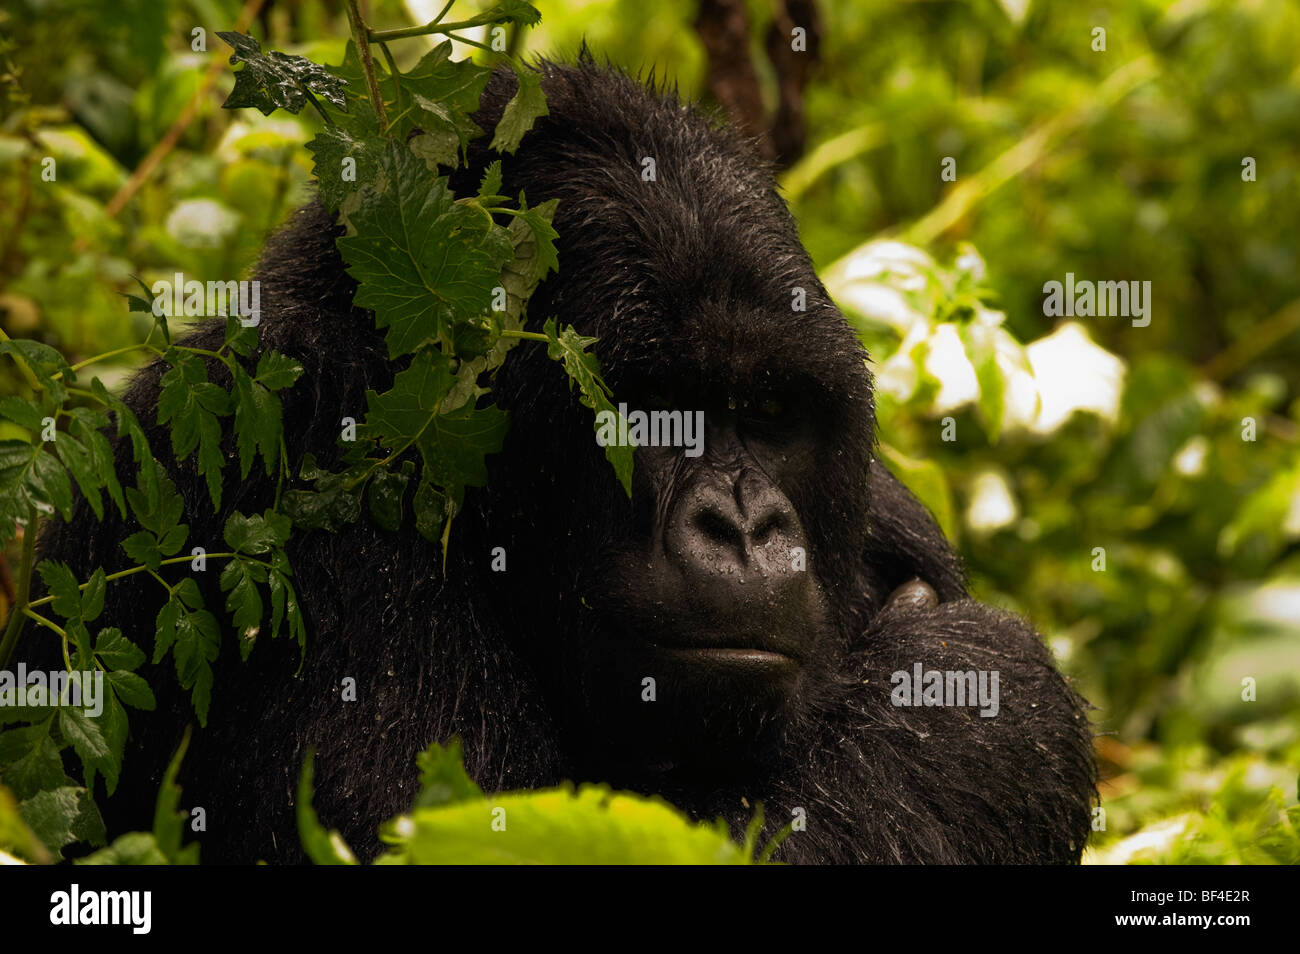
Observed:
{"x":728,"y":637}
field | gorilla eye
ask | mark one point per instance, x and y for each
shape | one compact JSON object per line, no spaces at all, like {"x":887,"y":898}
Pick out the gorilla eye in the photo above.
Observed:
{"x":769,"y":408}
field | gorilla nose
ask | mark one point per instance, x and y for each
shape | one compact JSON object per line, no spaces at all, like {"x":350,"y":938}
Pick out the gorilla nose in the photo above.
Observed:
{"x":750,"y":532}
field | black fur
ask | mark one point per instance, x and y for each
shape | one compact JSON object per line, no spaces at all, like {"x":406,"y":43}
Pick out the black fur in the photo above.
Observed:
{"x":688,"y":276}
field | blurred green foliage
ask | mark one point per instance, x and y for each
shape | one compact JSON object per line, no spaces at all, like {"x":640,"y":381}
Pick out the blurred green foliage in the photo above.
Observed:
{"x":1173,"y":447}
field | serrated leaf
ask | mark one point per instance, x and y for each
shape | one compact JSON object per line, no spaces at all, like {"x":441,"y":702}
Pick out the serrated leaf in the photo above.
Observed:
{"x":29,"y":760}
{"x":132,"y":690}
{"x":398,"y":415}
{"x":88,"y":740}
{"x":117,"y":652}
{"x":30,"y":477}
{"x":360,"y":142}
{"x":243,"y":601}
{"x":22,"y":412}
{"x":277,"y":371}
{"x":454,"y":446}
{"x":524,"y":108}
{"x":258,"y":424}
{"x":44,"y":362}
{"x":422,"y":261}
{"x":168,"y":818}
{"x":489,"y":186}
{"x":443,"y":779}
{"x":583,"y":368}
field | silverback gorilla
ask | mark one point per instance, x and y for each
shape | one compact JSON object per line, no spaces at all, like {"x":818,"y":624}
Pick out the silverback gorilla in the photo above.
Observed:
{"x":773,"y":684}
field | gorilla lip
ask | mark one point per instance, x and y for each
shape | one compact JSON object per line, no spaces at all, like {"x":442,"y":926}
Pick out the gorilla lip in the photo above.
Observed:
{"x":732,"y":654}
{"x":735,"y":656}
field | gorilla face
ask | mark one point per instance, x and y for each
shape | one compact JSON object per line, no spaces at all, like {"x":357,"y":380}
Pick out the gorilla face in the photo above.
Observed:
{"x":697,"y":615}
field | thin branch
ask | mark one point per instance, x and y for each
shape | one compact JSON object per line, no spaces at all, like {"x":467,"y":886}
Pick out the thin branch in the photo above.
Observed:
{"x":361,"y":36}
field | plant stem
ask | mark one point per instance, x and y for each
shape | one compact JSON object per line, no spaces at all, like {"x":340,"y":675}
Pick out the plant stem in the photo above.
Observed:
{"x":469,"y":42}
{"x":140,"y":569}
{"x":361,"y":37}
{"x":17,"y":614}
{"x":312,"y":99}
{"x":529,"y":335}
{"x":392,"y":70}
{"x":110,"y":354}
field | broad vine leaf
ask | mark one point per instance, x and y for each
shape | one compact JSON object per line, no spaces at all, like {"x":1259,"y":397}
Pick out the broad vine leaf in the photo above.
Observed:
{"x":422,"y":261}
{"x":275,"y":80}
{"x":591,"y":825}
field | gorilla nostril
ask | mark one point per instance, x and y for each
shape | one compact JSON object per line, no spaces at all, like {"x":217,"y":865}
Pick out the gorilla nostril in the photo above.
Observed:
{"x":716,"y":528}
{"x":771,"y":525}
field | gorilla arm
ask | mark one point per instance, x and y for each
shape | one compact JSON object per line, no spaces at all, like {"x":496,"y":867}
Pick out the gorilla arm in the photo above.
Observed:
{"x":943,"y":783}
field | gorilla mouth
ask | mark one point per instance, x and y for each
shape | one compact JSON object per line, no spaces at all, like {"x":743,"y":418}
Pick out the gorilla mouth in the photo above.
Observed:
{"x":739,"y":655}
{"x":748,"y":657}
{"x":735,"y":659}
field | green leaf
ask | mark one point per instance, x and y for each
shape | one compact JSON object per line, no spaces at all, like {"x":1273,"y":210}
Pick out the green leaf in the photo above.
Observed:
{"x":422,"y":261}
{"x":385,"y":497}
{"x":331,"y":506}
{"x":44,"y":362}
{"x":76,"y":458}
{"x":142,"y":547}
{"x":168,"y":818}
{"x":15,"y":837}
{"x":583,"y":369}
{"x":21,"y":412}
{"x":63,"y":586}
{"x":398,"y":415}
{"x":132,"y":690}
{"x":240,"y":338}
{"x":191,"y":403}
{"x":431,"y":508}
{"x":87,"y":738}
{"x":244,"y":602}
{"x":275,"y":80}
{"x":117,"y":652}
{"x":30,"y":477}
{"x":455,"y":444}
{"x":558,"y":826}
{"x":321,"y":846}
{"x":258,"y":424}
{"x":489,"y":186}
{"x":277,"y":371}
{"x":85,"y":426}
{"x":133,"y":848}
{"x":524,"y":108}
{"x":29,"y":760}
{"x":63,"y":816}
{"x":359,"y":141}
{"x":256,"y":534}
{"x":195,"y":640}
{"x":443,"y":779}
